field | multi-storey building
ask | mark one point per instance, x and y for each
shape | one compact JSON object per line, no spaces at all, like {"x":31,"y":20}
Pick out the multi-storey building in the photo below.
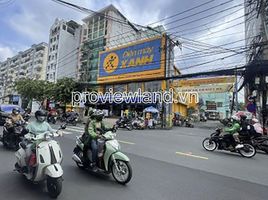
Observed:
{"x":64,"y":40}
{"x":27,"y":64}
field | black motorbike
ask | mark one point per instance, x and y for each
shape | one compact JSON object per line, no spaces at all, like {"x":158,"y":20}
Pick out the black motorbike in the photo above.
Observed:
{"x":261,"y":143}
{"x":227,"y":143}
{"x":13,"y":136}
{"x":70,"y":120}
{"x":124,"y":123}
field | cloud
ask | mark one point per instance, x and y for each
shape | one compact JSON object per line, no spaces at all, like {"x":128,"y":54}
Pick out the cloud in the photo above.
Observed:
{"x":5,"y":52}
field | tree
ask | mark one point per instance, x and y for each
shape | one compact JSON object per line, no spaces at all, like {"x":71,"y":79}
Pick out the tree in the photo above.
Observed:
{"x":33,"y":89}
{"x":62,"y":90}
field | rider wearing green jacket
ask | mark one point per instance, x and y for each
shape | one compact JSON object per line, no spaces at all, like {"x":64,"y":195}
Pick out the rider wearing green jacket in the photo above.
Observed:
{"x":234,"y":131}
{"x":95,"y":128}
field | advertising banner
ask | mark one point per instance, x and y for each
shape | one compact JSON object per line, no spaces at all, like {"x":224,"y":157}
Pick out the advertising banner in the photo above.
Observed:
{"x":142,"y":60}
{"x":207,"y":89}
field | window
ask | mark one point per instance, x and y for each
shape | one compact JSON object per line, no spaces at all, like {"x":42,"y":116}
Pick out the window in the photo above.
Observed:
{"x":219,"y":104}
{"x":48,"y":68}
{"x":56,"y":55}
{"x":58,"y":36}
{"x":95,"y":35}
{"x":64,"y":27}
{"x":85,"y":32}
{"x":53,"y":47}
{"x":50,"y":76}
{"x":133,"y":87}
{"x":51,"y":40}
{"x":48,"y":58}
{"x":152,"y":86}
{"x":119,"y":88}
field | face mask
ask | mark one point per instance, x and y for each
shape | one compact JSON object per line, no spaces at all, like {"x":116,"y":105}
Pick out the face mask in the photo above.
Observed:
{"x":41,"y":118}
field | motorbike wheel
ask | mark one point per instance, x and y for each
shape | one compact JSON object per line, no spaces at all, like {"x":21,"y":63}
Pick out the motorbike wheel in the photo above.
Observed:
{"x":54,"y":187}
{"x":124,"y":174}
{"x":209,"y":144}
{"x":247,"y":151}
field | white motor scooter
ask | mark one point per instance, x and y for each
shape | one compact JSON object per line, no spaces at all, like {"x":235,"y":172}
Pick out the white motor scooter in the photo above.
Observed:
{"x":44,"y":163}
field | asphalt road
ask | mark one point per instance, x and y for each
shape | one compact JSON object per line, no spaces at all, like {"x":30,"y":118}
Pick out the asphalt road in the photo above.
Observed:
{"x":167,"y":165}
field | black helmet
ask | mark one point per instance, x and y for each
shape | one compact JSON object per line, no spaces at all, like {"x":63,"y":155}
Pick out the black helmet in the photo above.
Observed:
{"x":15,"y":111}
{"x":243,"y":117}
{"x":40,"y":115}
{"x":98,"y":115}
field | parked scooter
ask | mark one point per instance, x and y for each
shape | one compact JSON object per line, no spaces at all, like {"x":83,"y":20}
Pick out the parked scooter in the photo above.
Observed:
{"x":123,"y":123}
{"x":138,"y":123}
{"x":110,"y":158}
{"x":44,"y":163}
{"x":12,"y":139}
{"x":188,"y":123}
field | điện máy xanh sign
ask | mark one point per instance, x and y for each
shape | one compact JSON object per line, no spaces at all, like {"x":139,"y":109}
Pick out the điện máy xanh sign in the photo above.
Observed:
{"x":137,"y":61}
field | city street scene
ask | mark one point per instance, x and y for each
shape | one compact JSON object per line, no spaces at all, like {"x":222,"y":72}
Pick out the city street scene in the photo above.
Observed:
{"x":135,"y":100}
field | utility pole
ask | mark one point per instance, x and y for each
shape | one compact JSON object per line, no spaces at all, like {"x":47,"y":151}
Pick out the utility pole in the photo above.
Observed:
{"x":236,"y":92}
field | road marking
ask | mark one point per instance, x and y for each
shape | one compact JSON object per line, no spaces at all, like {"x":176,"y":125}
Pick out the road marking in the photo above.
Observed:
{"x":67,"y":133}
{"x":121,"y":141}
{"x":191,"y":155}
{"x":75,"y":130}
{"x":76,"y":127}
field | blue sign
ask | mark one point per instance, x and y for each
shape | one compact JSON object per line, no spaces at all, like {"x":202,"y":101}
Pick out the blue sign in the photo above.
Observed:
{"x":141,"y":57}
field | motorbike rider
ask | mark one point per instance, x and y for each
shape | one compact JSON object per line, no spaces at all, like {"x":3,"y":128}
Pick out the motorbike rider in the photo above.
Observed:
{"x":12,"y":120}
{"x":234,"y":131}
{"x":36,"y":127}
{"x":95,"y":128}
{"x":14,"y":117}
{"x":257,"y":127}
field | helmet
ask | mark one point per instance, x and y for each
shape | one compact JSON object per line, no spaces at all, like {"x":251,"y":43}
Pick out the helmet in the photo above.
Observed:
{"x":15,"y":111}
{"x":235,"y":118}
{"x":243,"y":117}
{"x":98,"y":115}
{"x":40,"y":115}
{"x":255,"y":120}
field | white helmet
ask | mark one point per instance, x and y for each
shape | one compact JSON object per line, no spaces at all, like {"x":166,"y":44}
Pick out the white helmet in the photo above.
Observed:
{"x":235,"y":118}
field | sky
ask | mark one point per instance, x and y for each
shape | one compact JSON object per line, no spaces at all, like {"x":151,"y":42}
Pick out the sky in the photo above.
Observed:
{"x":200,"y":30}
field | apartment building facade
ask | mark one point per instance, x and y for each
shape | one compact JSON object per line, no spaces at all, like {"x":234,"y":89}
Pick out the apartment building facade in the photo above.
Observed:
{"x":30,"y":63}
{"x":64,"y":41}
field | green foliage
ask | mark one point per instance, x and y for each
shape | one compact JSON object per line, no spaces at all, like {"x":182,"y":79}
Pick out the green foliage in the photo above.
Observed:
{"x":33,"y":89}
{"x":40,"y":90}
{"x":62,"y":90}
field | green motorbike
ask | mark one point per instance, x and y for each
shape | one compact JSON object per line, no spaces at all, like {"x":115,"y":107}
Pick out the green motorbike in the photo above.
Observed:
{"x":110,"y":158}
